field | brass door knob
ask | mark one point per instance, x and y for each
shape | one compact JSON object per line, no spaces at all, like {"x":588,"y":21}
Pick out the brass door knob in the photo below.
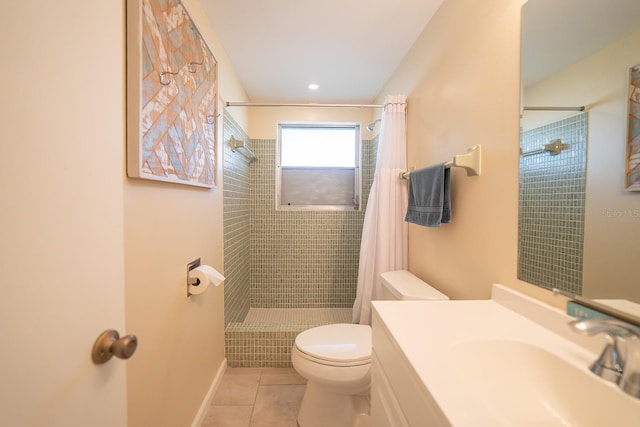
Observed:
{"x":110,"y":344}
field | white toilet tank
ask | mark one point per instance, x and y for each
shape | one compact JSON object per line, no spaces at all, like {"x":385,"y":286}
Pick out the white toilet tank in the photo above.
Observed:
{"x":402,"y":285}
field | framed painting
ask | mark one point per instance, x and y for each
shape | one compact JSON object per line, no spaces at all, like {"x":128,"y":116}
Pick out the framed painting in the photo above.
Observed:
{"x":172,"y":96}
{"x":632,"y":178}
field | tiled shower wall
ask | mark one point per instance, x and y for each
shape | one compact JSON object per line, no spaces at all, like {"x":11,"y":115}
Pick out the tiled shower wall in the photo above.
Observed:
{"x":302,"y":259}
{"x":284,"y":259}
{"x":237,"y":227}
{"x":551,"y":218}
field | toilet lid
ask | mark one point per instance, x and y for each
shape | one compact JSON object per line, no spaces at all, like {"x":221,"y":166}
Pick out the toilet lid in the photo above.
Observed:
{"x":341,"y":342}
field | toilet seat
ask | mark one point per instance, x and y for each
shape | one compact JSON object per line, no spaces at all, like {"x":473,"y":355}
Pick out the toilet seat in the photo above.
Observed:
{"x":341,"y":344}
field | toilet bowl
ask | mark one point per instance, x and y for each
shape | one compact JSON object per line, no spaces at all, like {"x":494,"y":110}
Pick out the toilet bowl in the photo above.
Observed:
{"x":336,"y":361}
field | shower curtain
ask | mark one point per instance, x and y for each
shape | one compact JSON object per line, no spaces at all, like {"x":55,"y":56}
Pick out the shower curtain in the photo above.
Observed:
{"x":384,"y":244}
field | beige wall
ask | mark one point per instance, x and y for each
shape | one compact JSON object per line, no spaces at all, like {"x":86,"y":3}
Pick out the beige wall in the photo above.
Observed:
{"x":463,"y":84}
{"x":167,"y":226}
{"x":612,"y":215}
{"x":264,"y":121}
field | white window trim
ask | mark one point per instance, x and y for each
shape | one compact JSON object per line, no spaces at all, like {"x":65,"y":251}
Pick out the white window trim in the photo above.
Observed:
{"x":357,"y":206}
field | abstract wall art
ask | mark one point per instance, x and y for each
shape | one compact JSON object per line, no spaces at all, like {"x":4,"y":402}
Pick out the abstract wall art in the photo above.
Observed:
{"x":172,"y":96}
{"x":632,"y":179}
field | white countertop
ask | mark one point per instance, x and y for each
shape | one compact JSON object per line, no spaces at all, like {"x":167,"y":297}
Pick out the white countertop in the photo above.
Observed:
{"x":426,"y":331}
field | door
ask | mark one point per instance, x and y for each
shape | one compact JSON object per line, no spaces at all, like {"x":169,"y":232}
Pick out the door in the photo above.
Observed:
{"x":61,"y":215}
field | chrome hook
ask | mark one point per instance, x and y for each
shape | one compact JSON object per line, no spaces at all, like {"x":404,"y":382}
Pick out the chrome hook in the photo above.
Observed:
{"x":191,"y":66}
{"x":164,"y":80}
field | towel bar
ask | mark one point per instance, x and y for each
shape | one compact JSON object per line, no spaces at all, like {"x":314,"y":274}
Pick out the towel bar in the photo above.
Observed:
{"x":246,"y":151}
{"x":470,"y":161}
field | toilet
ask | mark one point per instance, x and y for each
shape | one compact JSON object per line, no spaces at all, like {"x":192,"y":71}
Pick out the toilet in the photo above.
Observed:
{"x":336,"y":360}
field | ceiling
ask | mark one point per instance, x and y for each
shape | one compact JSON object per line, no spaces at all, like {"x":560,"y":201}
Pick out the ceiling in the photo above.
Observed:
{"x":556,"y":34}
{"x":349,"y":48}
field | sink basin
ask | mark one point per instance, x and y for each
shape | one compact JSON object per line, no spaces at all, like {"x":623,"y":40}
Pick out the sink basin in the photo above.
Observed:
{"x":526,"y":385}
{"x":505,"y":362}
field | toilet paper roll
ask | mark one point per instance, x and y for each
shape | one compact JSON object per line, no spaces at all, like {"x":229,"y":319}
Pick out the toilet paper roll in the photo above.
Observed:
{"x":206,"y":275}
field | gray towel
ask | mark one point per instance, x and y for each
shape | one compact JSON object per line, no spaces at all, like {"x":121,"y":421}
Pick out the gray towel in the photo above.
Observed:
{"x":429,"y":196}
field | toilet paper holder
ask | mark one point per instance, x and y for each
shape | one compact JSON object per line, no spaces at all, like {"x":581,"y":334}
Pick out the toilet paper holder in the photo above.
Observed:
{"x":201,"y":277}
{"x":194,"y":281}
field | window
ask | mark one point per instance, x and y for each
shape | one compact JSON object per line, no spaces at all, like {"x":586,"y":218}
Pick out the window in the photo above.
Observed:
{"x":318,"y":166}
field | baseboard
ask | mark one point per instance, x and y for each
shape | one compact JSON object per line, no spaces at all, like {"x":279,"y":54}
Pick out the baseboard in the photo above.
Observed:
{"x":202,"y":412}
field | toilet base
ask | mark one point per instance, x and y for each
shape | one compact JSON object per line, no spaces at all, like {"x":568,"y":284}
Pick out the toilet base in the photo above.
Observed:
{"x":321,"y":408}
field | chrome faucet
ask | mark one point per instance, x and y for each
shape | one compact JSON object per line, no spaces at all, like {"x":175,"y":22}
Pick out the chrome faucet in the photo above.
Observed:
{"x":611,"y":365}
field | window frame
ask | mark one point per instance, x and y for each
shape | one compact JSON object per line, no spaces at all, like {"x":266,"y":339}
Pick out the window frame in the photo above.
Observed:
{"x":357,"y":205}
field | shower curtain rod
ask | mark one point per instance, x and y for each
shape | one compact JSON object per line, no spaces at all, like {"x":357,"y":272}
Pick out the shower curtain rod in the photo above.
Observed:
{"x":271,"y":104}
{"x":579,"y":108}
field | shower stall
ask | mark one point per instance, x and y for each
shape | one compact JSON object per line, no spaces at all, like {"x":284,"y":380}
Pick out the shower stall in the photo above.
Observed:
{"x":286,"y":271}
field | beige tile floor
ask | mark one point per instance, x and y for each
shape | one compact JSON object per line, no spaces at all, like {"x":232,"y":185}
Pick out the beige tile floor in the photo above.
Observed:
{"x":256,"y":397}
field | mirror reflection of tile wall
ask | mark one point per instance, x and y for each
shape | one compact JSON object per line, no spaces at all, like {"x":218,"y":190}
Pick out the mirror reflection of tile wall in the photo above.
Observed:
{"x":551,"y":211}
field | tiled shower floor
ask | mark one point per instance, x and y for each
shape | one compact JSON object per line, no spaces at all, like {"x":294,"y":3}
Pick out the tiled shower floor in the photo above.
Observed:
{"x":297,"y":316}
{"x":265,"y":338}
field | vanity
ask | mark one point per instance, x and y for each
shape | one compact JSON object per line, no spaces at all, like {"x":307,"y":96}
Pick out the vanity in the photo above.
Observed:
{"x":508,"y":361}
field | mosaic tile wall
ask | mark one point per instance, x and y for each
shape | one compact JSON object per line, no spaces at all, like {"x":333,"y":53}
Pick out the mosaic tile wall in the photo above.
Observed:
{"x":302,"y":259}
{"x":237,"y":227}
{"x":268,"y":342}
{"x":260,"y":346}
{"x":551,"y":218}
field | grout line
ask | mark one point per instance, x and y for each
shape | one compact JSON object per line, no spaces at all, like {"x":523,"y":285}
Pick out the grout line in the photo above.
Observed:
{"x":253,"y":407}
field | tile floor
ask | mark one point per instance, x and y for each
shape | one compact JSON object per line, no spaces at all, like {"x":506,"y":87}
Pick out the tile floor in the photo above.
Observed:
{"x":256,"y":397}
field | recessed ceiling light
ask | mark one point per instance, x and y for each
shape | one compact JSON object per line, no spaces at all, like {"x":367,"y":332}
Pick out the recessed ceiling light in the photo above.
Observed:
{"x":313,"y":86}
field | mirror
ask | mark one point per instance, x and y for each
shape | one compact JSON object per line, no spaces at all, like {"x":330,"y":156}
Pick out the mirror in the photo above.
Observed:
{"x":578,"y":53}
